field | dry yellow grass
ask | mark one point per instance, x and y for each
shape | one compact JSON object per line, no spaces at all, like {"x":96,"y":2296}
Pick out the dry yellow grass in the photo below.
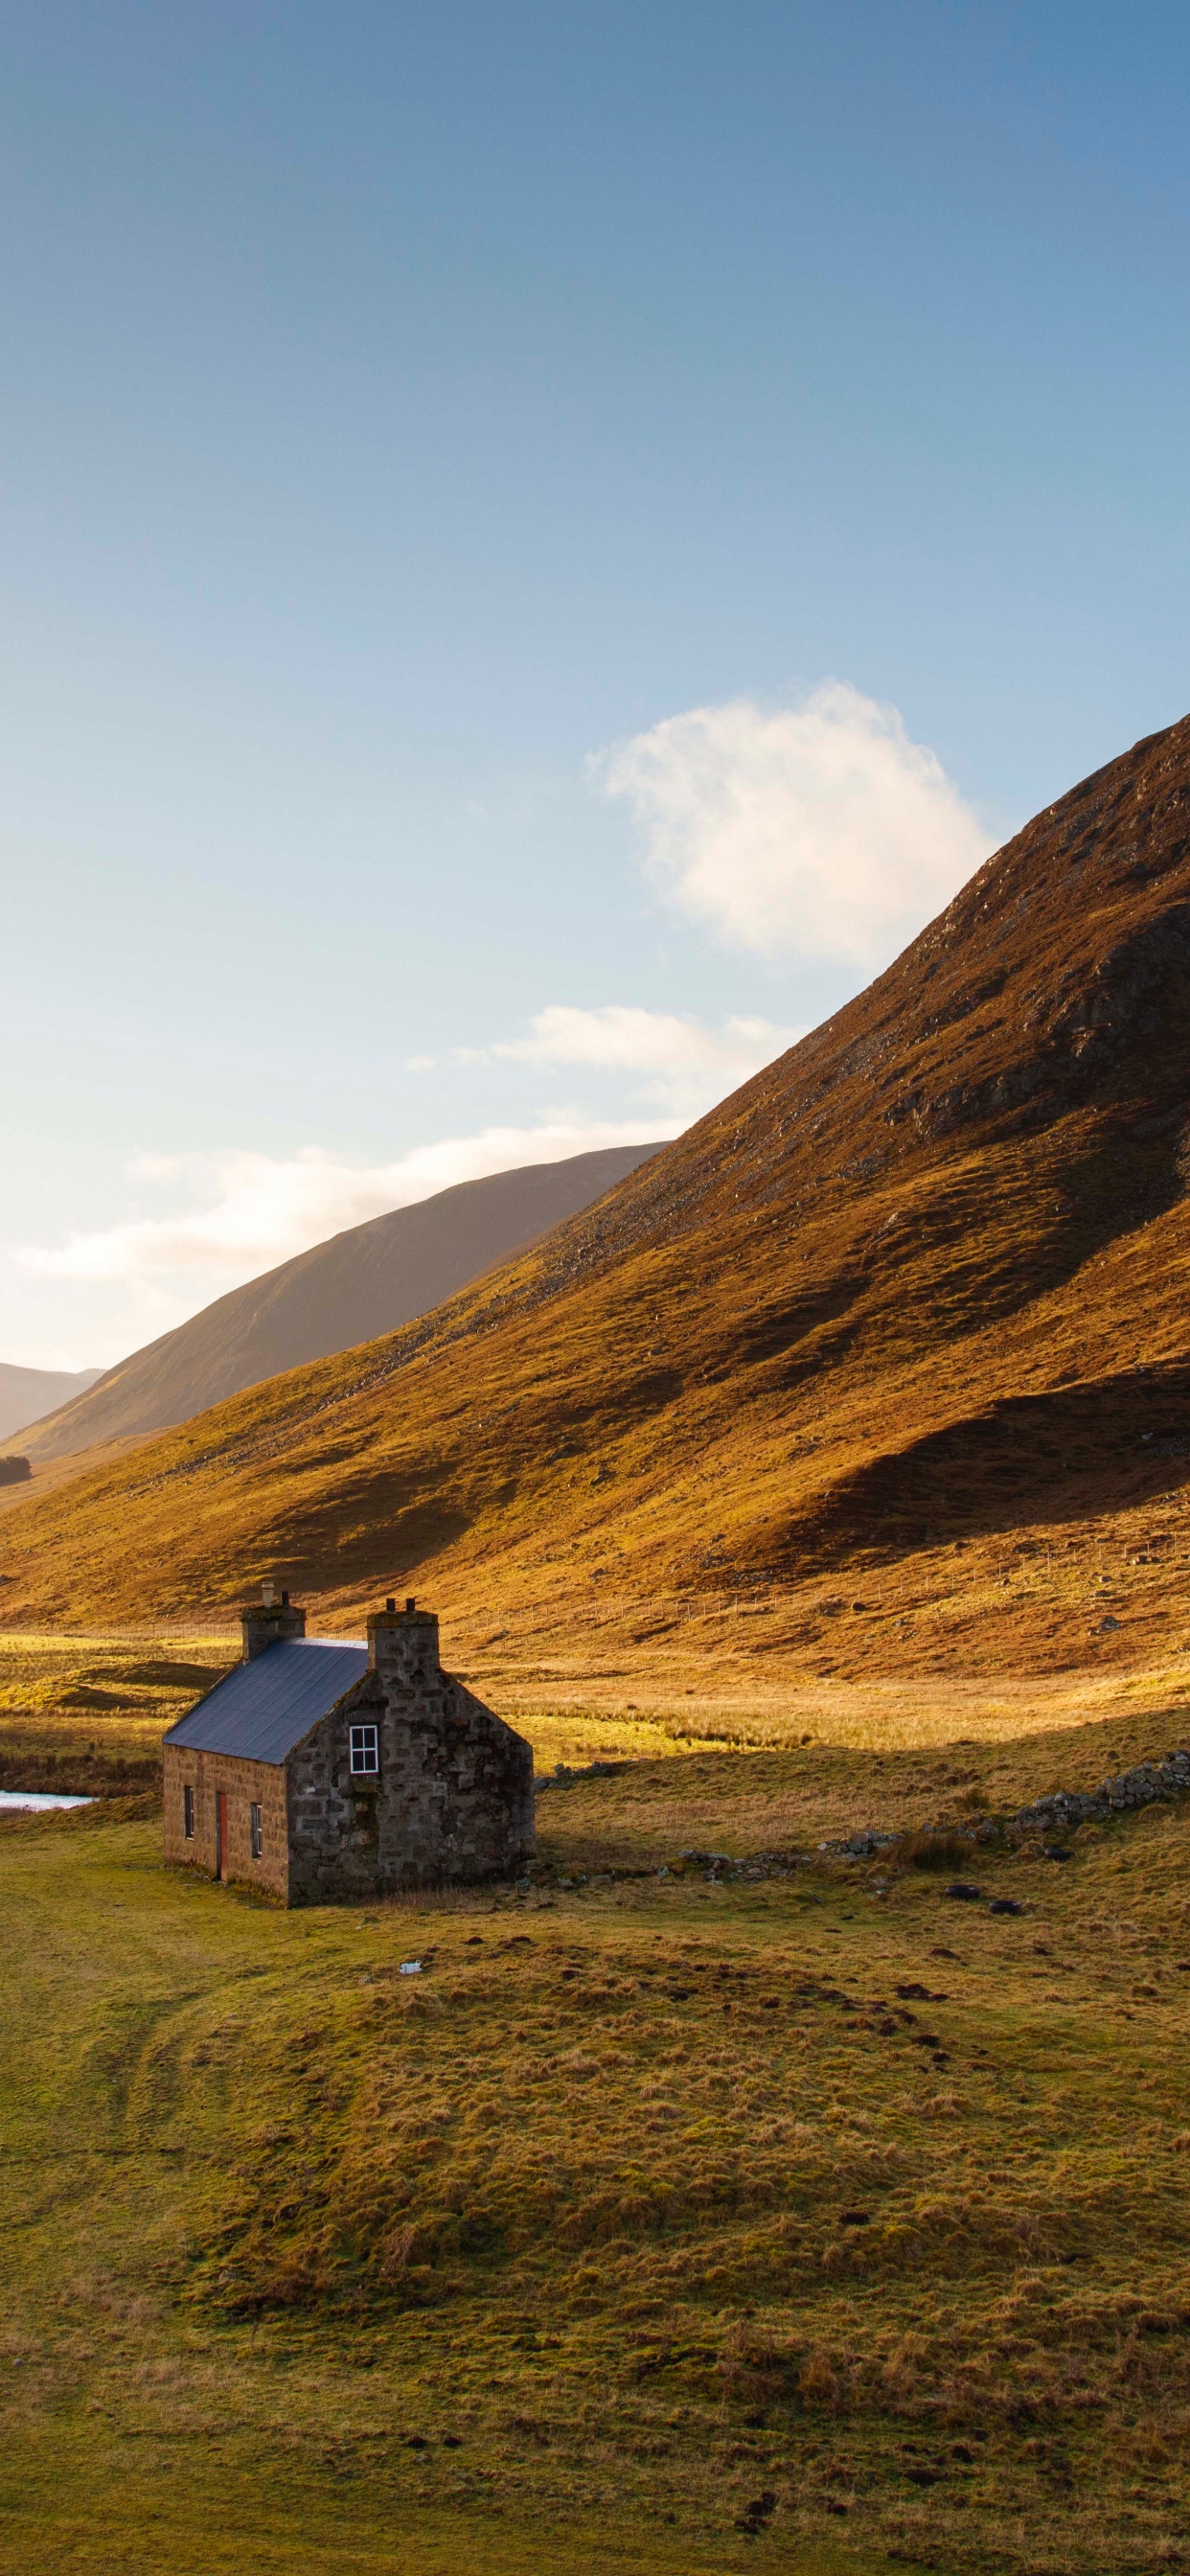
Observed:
{"x":87,"y":1712}
{"x":651,"y":2213}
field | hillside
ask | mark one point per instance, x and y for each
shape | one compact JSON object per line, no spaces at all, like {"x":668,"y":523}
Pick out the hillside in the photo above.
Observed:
{"x":362,"y":1282}
{"x":27,"y":1392}
{"x":881,"y":1367}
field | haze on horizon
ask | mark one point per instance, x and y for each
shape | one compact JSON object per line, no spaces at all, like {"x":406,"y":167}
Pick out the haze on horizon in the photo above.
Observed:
{"x":538,"y":551}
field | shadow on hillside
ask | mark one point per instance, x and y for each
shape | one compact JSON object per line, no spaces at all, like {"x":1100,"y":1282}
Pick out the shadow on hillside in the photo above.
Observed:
{"x":373,"y":1534}
{"x":1030,"y":1460}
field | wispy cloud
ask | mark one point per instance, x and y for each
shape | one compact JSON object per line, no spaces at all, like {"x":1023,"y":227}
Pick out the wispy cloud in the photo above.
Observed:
{"x":819,"y":828}
{"x":676,"y":1062}
{"x":253,"y":1210}
{"x":210,"y":1221}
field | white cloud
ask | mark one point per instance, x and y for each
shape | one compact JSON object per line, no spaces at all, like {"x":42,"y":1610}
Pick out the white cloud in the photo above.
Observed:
{"x":257,"y":1211}
{"x":678,"y":1063}
{"x":819,"y":828}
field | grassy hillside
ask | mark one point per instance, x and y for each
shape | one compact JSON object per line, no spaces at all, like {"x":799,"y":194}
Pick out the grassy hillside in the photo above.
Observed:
{"x":882,"y":1369}
{"x":654,"y":2215}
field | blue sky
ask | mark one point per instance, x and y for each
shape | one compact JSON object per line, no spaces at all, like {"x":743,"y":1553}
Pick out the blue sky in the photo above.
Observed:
{"x":417,"y":425}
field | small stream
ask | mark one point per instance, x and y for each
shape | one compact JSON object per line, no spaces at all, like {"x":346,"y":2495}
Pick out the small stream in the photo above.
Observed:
{"x":30,"y":1799}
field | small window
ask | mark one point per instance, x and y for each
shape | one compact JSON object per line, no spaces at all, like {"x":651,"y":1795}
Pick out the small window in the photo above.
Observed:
{"x":188,"y":1814}
{"x":254,"y":1813}
{"x":365,"y":1748}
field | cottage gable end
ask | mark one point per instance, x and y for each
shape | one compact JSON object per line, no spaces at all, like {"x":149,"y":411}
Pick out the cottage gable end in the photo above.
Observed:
{"x":409,"y":1780}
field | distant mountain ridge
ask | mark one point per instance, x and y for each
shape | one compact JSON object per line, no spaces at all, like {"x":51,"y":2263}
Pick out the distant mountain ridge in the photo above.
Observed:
{"x":27,"y":1393}
{"x":361,"y":1283}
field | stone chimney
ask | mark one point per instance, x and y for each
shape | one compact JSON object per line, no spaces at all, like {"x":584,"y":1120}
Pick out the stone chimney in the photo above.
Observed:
{"x":263,"y":1621}
{"x":403,"y":1644}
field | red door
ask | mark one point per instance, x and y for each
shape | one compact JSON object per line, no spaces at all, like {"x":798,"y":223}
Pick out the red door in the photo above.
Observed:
{"x":220,"y":1833}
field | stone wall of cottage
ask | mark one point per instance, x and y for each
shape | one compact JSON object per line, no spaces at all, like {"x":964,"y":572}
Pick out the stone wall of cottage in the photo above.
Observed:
{"x":243,"y":1784}
{"x":453,"y":1798}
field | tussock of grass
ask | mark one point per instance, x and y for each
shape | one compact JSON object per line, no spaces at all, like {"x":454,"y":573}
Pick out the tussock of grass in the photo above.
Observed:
{"x":929,"y":1849}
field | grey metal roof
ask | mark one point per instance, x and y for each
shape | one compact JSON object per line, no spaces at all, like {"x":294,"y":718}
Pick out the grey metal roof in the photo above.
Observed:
{"x":262,"y":1709}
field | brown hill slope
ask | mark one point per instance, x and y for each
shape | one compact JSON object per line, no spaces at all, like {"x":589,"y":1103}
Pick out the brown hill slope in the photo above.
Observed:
{"x":362,"y":1282}
{"x":25,"y":1392}
{"x":882,"y":1366}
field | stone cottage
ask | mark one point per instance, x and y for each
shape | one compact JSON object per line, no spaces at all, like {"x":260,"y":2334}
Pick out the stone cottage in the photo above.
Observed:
{"x":320,"y":1769}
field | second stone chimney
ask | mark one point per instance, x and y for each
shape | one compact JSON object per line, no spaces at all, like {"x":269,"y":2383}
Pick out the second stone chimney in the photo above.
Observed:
{"x":263,"y":1621}
{"x":403,"y":1644}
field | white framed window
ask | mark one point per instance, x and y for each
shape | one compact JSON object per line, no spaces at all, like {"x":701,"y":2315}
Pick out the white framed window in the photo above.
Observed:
{"x":254,"y":1820}
{"x":365,"y":1749}
{"x":188,"y":1814}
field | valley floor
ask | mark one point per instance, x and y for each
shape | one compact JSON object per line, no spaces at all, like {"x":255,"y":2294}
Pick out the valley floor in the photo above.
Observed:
{"x":818,"y":2219}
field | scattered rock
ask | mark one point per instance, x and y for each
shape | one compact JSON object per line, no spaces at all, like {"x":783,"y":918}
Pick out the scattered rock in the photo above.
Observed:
{"x":965,"y":1889}
{"x":1057,"y":1851}
{"x":1006,"y":1905}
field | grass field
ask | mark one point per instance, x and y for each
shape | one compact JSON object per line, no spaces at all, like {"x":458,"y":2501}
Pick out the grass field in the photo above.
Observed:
{"x":85,"y":1714}
{"x":654,"y":2225}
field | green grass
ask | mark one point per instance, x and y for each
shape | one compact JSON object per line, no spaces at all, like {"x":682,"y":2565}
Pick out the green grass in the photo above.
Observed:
{"x":274,"y":2214}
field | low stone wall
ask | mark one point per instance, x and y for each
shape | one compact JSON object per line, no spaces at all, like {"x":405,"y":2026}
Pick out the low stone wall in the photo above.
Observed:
{"x":1051,"y":1817}
{"x":1140,"y":1787}
{"x":1059,"y":1814}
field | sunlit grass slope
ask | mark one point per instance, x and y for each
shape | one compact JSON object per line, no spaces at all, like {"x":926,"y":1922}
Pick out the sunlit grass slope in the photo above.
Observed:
{"x":881,"y":1369}
{"x":650,"y":2216}
{"x":85,"y":1715}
